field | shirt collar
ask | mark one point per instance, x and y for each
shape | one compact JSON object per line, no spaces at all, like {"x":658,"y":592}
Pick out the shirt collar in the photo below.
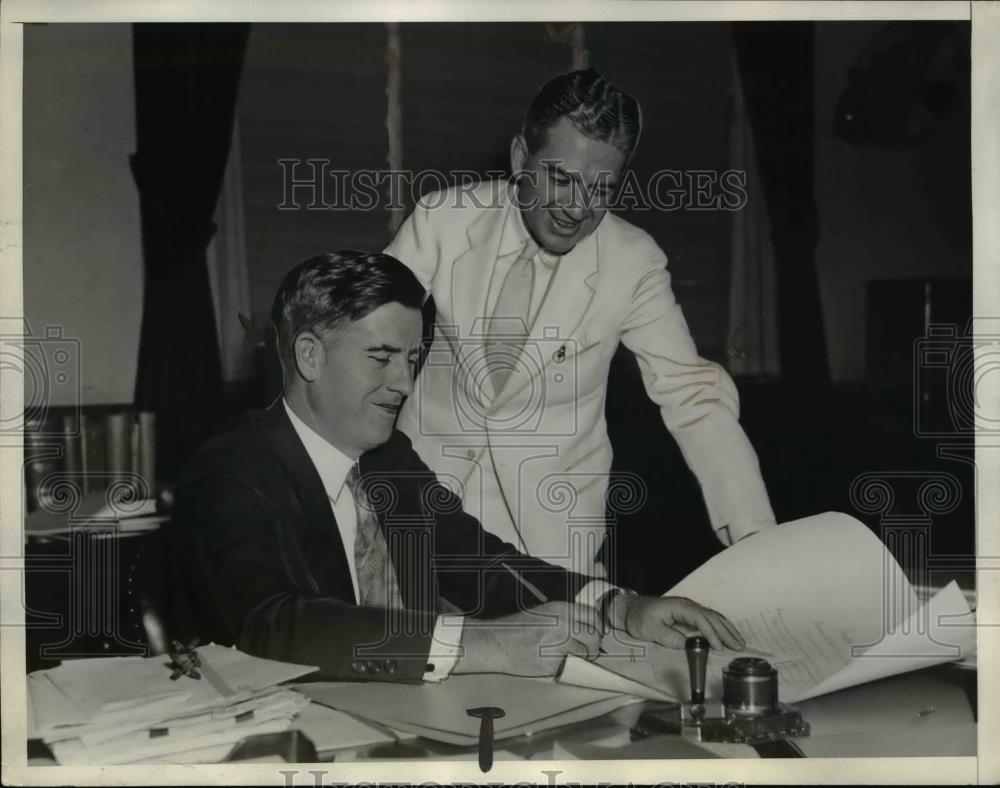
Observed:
{"x":515,"y":235}
{"x":331,"y":463}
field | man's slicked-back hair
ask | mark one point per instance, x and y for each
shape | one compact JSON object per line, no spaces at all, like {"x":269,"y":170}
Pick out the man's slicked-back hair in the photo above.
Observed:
{"x":330,"y":289}
{"x":595,"y":106}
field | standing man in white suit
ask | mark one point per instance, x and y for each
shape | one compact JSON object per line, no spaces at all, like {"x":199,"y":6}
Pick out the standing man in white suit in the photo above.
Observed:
{"x":535,"y":283}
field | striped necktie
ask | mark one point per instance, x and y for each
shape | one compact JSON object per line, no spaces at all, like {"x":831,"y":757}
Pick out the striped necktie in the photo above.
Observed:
{"x":377,"y":582}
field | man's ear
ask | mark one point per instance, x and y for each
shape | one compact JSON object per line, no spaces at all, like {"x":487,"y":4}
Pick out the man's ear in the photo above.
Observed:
{"x":518,"y":154}
{"x":309,"y":354}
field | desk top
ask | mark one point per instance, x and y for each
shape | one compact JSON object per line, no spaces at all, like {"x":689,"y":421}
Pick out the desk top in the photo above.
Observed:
{"x":930,"y":712}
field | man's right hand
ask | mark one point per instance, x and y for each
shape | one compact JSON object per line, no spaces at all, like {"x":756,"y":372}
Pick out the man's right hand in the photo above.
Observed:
{"x":529,"y":643}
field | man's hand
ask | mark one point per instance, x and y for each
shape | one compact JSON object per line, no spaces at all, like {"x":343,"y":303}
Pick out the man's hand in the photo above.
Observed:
{"x":530,"y":643}
{"x":668,"y":620}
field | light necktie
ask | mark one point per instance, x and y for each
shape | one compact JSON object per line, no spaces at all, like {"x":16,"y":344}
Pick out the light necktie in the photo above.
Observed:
{"x":377,"y":582}
{"x":508,"y":327}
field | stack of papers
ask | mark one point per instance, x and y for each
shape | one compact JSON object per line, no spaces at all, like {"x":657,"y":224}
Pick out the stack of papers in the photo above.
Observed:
{"x":128,"y":709}
{"x":820,"y":598}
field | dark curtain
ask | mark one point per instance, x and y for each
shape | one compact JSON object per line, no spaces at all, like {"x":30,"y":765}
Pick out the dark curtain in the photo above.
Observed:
{"x":776,"y":66}
{"x":186,"y":83}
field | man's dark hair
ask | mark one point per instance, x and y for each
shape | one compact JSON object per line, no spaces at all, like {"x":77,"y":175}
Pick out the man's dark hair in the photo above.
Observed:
{"x":324,"y":291}
{"x":597,"y":109}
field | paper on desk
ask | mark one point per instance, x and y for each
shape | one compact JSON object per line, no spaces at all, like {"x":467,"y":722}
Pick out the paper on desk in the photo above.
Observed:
{"x":125,"y":710}
{"x":813,"y":593}
{"x":646,"y":670}
{"x":214,"y":754}
{"x":72,"y":752}
{"x":177,"y":734}
{"x":54,"y":711}
{"x":816,"y":586}
{"x":331,"y":729}
{"x":192,"y":722}
{"x":943,"y":630}
{"x":580,"y":672}
{"x":438,"y":711}
{"x":119,"y":691}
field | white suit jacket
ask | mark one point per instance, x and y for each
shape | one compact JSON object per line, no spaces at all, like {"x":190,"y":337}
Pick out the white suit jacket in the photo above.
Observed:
{"x":532,"y":461}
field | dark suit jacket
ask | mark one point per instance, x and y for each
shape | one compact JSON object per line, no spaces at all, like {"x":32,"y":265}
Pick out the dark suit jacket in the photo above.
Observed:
{"x":258,"y":562}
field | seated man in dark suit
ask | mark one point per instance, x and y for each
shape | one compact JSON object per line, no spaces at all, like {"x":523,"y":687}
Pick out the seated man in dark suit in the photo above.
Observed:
{"x":318,"y":536}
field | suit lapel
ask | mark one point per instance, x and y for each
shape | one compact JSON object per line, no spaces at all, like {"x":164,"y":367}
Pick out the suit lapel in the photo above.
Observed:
{"x":471,"y":276}
{"x":472,"y":270}
{"x":322,"y":548}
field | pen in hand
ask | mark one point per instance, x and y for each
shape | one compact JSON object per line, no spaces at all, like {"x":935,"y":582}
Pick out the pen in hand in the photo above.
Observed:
{"x":528,"y":585}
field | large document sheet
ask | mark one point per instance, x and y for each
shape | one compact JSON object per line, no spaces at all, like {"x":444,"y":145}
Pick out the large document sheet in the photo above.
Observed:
{"x":820,"y":598}
{"x":439,"y":711}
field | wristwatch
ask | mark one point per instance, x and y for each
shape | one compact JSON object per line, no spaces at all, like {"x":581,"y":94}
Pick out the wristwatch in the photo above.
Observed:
{"x":604,"y":606}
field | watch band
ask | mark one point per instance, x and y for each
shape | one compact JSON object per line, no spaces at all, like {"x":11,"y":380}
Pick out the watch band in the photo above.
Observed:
{"x":604,"y":606}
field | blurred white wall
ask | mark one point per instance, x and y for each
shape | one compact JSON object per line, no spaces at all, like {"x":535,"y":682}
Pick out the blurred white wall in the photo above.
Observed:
{"x":82,"y":243}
